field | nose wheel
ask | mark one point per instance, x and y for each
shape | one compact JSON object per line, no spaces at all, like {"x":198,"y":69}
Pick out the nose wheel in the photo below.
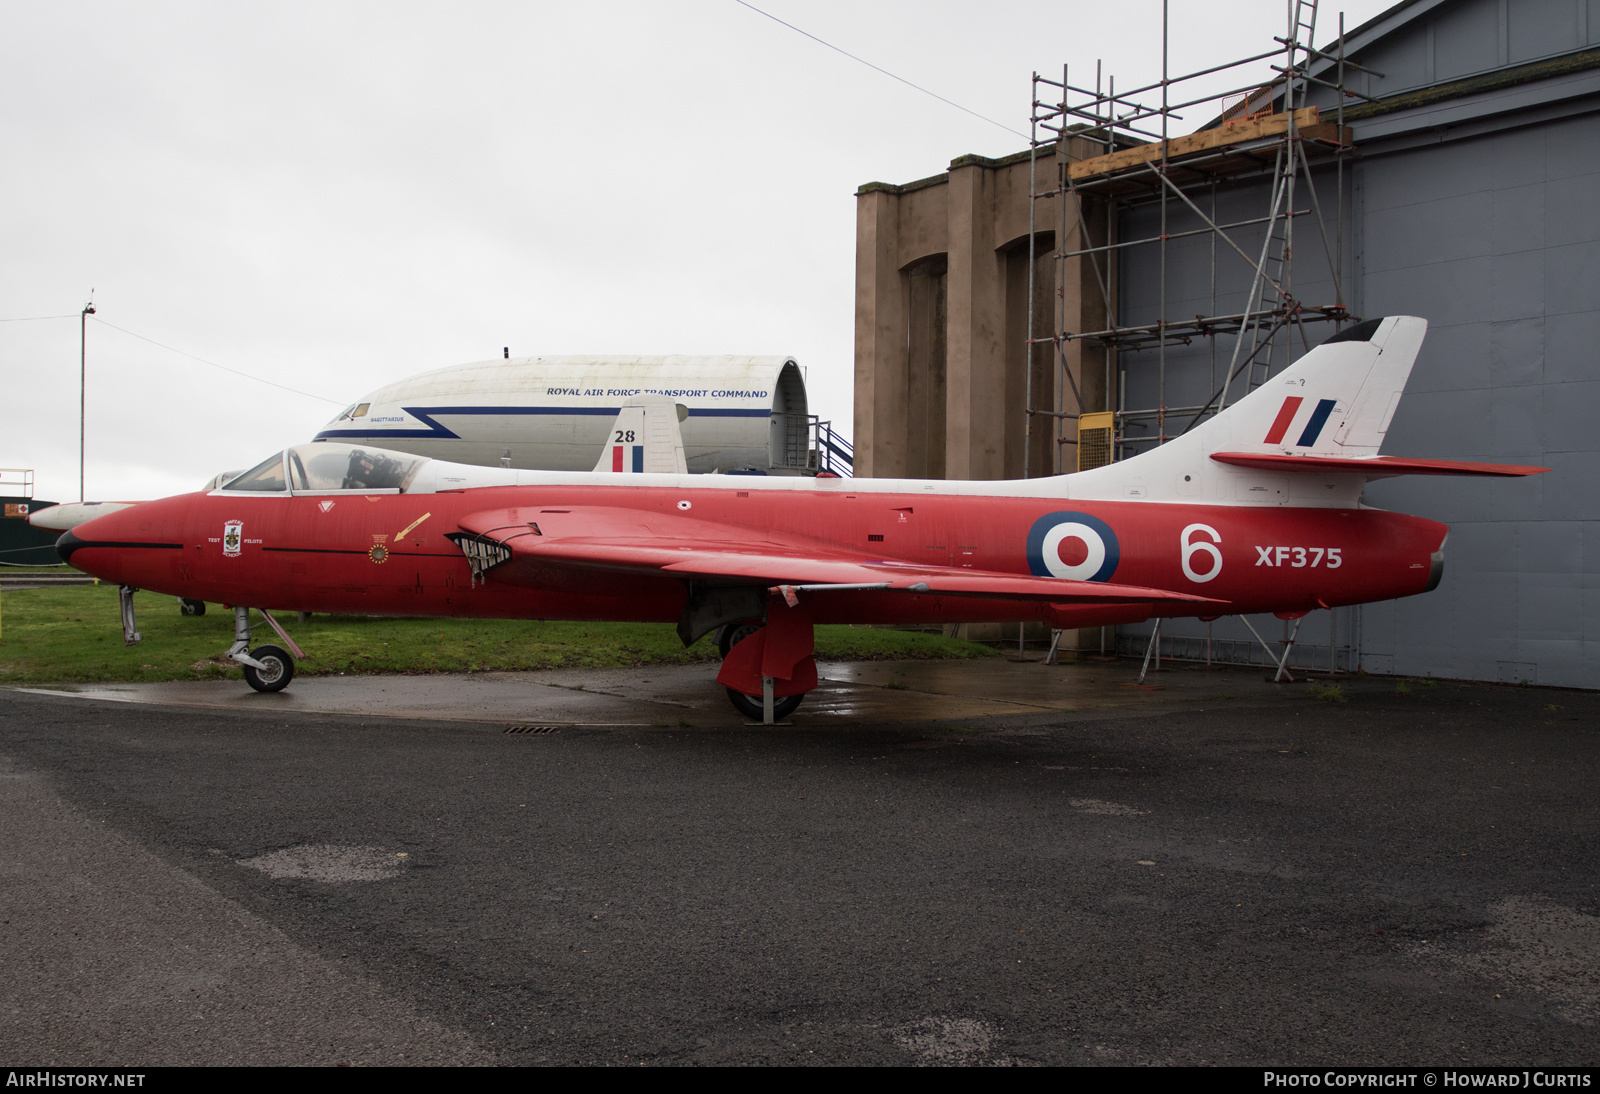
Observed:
{"x":273,"y":670}
{"x":266,"y":668}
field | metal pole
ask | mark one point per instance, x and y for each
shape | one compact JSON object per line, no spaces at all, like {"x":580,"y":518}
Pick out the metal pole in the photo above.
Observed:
{"x":1058,"y":348}
{"x":1161,"y":347}
{"x":1291,"y":139}
{"x":1338,"y":222}
{"x":1212,"y":339}
{"x":1153,"y":648}
{"x":83,"y":387}
{"x":1027,"y":346}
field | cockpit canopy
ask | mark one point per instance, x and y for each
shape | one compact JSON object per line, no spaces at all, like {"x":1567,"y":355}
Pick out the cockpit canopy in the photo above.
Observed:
{"x":326,"y":468}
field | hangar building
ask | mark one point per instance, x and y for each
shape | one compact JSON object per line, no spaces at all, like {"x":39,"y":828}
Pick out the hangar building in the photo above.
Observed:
{"x":1101,"y":290}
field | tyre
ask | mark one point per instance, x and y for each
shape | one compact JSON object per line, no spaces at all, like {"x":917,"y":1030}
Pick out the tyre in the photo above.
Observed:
{"x":192,"y":607}
{"x":750,"y":705}
{"x":278,"y":672}
{"x":731,"y":634}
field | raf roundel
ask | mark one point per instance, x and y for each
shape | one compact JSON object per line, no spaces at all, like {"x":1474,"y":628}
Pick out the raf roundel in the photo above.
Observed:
{"x":1073,"y":546}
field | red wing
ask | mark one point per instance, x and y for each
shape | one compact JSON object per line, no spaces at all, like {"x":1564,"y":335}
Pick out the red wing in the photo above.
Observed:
{"x":1373,"y":467}
{"x":634,"y":541}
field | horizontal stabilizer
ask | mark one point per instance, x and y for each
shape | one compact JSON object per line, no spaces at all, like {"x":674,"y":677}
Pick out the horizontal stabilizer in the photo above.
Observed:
{"x":1372,"y":467}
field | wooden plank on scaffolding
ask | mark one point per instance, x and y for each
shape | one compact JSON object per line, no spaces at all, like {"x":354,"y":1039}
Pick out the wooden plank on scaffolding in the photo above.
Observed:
{"x":1238,"y":133}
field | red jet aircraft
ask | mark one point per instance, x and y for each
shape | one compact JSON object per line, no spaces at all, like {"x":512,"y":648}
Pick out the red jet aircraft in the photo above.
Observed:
{"x":1256,"y":510}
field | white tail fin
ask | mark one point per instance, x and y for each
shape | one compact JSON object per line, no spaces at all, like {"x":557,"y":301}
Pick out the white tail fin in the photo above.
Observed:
{"x":1337,"y":400}
{"x":645,"y":438}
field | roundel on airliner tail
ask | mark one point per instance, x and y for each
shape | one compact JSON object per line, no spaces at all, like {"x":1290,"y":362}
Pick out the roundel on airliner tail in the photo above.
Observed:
{"x":1075,"y":546}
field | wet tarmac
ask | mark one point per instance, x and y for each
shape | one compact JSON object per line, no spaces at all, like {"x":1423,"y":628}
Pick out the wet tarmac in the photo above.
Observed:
{"x":850,"y":693}
{"x":937,"y":863}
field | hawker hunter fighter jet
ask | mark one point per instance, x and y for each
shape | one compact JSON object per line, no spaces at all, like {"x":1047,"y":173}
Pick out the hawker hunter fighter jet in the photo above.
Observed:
{"x":1256,"y":510}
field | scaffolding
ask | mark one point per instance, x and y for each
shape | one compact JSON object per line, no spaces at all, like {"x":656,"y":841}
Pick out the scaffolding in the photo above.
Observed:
{"x":1113,"y":152}
{"x":17,"y":482}
{"x":1262,"y":131}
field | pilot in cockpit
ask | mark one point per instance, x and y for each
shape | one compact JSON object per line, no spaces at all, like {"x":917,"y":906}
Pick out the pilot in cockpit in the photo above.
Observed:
{"x":372,"y":471}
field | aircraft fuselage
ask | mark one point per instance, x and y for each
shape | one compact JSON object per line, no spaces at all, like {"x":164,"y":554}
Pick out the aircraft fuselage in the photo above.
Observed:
{"x":388,"y":554}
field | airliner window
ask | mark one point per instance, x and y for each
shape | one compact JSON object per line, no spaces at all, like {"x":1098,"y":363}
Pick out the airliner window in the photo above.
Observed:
{"x":352,"y":412}
{"x":265,"y":477}
{"x":327,"y":466}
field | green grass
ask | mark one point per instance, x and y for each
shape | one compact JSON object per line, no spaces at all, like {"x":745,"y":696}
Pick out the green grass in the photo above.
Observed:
{"x":1404,"y":686}
{"x":73,"y":635}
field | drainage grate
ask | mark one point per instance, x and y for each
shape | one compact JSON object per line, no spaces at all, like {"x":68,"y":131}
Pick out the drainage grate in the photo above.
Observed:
{"x":533,"y":729}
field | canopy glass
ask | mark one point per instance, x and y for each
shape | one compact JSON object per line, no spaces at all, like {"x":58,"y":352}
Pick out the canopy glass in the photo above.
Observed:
{"x":321,"y":467}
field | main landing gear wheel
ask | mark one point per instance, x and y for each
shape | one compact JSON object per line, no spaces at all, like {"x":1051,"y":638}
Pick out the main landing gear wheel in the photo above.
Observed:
{"x":732,"y":634}
{"x":750,"y":705}
{"x":192,"y":607}
{"x":278,"y":672}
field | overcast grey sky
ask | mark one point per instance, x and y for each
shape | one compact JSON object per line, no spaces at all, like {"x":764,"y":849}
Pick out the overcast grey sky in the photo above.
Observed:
{"x":332,"y":196}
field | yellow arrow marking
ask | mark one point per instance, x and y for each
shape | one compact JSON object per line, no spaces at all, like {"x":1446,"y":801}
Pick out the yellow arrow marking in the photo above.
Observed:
{"x":413,"y":524}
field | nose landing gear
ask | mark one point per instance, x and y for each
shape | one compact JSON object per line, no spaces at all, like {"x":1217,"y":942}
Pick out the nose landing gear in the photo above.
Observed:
{"x":266,"y":668}
{"x":272,"y":671}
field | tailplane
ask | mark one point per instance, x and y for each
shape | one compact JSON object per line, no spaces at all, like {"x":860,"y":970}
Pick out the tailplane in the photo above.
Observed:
{"x":1324,"y":416}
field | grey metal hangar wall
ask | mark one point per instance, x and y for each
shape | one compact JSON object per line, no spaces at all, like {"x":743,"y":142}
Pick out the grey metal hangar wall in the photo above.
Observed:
{"x":1473,"y":201}
{"x":555,"y":413}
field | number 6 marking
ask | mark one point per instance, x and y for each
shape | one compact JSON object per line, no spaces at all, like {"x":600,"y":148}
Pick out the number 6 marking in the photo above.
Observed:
{"x":1189,"y":549}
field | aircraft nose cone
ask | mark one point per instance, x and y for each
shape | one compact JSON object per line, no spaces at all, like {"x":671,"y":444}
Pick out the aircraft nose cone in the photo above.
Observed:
{"x":91,"y":556}
{"x":67,"y":544}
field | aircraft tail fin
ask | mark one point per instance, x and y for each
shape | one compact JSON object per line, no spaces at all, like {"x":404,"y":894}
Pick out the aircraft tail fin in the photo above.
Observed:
{"x":645,"y":438}
{"x":1337,"y":400}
